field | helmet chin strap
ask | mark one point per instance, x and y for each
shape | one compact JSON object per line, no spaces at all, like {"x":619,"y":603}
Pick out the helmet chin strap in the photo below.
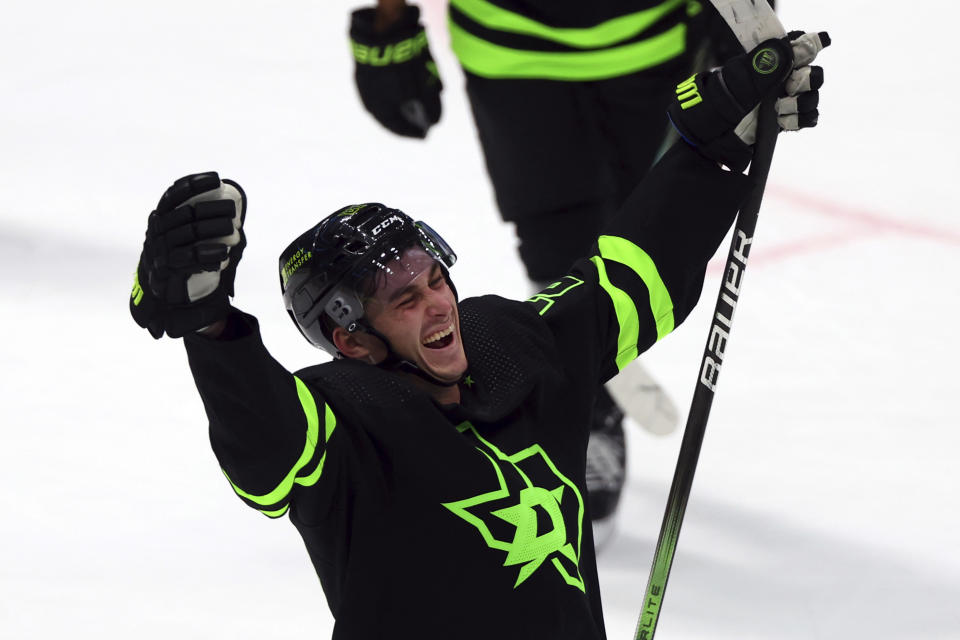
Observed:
{"x":393,"y":362}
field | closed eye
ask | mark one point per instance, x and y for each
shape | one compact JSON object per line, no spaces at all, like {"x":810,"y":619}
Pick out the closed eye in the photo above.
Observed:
{"x":436,"y":278}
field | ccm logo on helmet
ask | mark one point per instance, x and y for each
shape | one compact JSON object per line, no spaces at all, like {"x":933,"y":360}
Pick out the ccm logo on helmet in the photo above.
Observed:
{"x":386,"y":223}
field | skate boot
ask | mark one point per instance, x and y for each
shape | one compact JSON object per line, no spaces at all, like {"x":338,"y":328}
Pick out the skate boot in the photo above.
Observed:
{"x":606,"y":466}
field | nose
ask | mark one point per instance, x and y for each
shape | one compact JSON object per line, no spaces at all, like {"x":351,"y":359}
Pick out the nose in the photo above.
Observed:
{"x":439,"y":304}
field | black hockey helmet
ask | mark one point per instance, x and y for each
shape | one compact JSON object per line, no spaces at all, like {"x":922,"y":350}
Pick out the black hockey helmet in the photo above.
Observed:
{"x":329,"y":269}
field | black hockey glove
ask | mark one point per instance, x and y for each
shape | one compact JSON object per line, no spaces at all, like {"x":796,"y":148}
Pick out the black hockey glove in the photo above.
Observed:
{"x":395,"y":73}
{"x":193,"y":243}
{"x":716,"y":111}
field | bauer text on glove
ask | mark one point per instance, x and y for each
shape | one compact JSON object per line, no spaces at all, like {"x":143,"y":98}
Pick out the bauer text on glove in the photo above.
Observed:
{"x":395,"y":74}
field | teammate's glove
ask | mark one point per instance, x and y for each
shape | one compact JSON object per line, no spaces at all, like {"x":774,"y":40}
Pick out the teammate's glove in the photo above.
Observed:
{"x":716,"y":111}
{"x":395,"y":73}
{"x":193,"y":243}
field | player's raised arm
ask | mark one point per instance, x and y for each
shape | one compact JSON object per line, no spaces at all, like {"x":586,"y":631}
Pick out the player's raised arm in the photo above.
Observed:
{"x":268,"y":429}
{"x":645,"y":272}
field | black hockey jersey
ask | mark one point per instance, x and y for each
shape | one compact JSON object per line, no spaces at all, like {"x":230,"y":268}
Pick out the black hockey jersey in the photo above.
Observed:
{"x":470,"y":520}
{"x":570,"y":40}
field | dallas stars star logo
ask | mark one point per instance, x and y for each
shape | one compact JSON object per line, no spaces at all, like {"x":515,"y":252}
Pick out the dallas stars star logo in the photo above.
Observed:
{"x":547,"y":520}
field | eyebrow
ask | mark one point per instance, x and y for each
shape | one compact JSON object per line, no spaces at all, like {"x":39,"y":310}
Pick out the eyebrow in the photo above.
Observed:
{"x":399,"y":293}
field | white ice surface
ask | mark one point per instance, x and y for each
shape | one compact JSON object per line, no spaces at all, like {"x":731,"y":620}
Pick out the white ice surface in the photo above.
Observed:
{"x":825,"y":503}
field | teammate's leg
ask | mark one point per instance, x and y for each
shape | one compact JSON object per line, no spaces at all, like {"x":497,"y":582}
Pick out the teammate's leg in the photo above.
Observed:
{"x":551,"y":170}
{"x":547,"y":162}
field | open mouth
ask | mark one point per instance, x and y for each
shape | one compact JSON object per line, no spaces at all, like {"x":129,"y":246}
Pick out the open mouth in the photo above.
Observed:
{"x":440,"y":339}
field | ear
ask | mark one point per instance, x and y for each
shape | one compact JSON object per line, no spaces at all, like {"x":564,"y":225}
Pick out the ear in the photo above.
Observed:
{"x":359,"y":345}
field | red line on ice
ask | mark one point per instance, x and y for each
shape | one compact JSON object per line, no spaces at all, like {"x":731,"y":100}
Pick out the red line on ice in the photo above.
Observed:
{"x":866,"y":217}
{"x":810,"y":244}
{"x":869,"y":223}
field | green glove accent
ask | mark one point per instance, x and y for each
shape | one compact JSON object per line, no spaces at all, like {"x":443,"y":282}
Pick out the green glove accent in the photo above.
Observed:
{"x":715,"y":111}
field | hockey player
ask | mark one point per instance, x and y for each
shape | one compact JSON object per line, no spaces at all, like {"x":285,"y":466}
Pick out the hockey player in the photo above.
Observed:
{"x":568,"y":100}
{"x":435,"y":468}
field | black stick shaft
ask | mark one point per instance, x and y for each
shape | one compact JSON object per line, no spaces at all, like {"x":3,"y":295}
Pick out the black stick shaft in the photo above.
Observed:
{"x":713,"y":353}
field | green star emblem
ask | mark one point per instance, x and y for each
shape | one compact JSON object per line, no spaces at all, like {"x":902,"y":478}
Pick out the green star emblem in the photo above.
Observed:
{"x":535,"y":540}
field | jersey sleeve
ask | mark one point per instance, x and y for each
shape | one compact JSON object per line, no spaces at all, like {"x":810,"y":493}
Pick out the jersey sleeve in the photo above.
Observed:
{"x":645,"y":273}
{"x":269,"y":430}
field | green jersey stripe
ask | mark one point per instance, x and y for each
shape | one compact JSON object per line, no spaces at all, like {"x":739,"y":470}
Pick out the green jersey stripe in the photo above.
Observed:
{"x":495,"y":61}
{"x":626,"y":315}
{"x":629,"y":254}
{"x":282,"y":490}
{"x":602,"y":35}
{"x":330,"y":423}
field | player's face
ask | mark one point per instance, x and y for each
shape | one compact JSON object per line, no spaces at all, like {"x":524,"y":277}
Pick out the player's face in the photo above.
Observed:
{"x":416,"y":310}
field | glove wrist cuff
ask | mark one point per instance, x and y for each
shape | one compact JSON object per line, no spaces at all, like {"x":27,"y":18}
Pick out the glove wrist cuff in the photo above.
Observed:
{"x":363,"y":31}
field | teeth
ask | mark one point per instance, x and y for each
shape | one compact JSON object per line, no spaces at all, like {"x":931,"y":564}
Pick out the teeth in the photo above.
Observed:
{"x":438,"y":335}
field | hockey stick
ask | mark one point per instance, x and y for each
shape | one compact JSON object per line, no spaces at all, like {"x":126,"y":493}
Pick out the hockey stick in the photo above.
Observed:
{"x":752,"y":21}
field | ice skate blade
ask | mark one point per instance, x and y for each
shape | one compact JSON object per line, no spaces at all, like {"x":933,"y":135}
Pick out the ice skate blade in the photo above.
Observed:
{"x":644,"y":400}
{"x":603,"y":532}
